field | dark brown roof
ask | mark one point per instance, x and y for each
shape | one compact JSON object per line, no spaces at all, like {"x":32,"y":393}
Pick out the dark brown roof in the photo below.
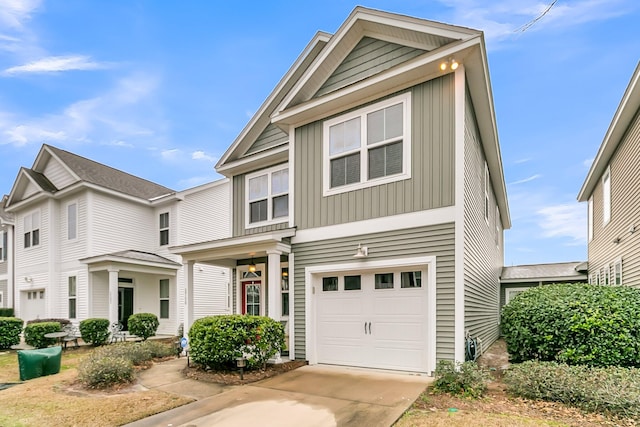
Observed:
{"x":108,"y":177}
{"x":41,"y":180}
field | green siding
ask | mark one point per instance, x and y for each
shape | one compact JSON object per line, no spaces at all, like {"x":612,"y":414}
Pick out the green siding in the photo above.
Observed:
{"x":239,"y":209}
{"x":482,"y":257}
{"x":432,"y":167}
{"x":369,"y":57}
{"x":437,"y":240}
{"x":272,"y":136}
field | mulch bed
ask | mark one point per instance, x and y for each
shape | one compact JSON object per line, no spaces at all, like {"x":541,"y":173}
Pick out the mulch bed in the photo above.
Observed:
{"x":233,"y":377}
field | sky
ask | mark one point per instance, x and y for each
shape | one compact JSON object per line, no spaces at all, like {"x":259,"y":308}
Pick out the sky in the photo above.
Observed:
{"x":160,"y":89}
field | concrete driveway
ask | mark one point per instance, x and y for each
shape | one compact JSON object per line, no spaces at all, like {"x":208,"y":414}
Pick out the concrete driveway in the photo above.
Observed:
{"x":308,"y":396}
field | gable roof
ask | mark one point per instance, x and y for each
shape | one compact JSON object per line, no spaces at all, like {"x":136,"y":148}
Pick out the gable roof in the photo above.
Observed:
{"x":544,"y":272}
{"x":627,"y":110}
{"x":5,"y":217}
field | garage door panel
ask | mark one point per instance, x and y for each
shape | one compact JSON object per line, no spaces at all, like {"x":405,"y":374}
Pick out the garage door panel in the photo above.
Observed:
{"x":340,"y":305}
{"x":395,"y":304}
{"x":409,"y":359}
{"x":414,"y":332}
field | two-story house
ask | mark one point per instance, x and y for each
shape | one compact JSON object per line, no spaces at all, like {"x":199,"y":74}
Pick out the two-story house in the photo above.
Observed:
{"x":6,"y":256}
{"x":613,"y":199}
{"x":92,"y":241}
{"x":368,"y":198}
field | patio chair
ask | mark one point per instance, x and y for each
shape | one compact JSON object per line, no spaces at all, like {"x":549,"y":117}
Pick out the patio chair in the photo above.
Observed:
{"x":72,"y":335}
{"x":117,"y":333}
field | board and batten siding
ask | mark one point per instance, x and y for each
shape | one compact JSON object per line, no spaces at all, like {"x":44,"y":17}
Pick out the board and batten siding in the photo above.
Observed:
{"x":482,"y":257}
{"x":369,"y":57}
{"x":271,"y":136}
{"x":625,"y":212}
{"x":58,"y":174}
{"x":239,"y":203}
{"x":435,"y":240}
{"x":432,"y":167}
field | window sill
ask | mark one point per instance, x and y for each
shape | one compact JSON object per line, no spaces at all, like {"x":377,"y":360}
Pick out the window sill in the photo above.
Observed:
{"x":266,"y":223}
{"x":368,"y":184}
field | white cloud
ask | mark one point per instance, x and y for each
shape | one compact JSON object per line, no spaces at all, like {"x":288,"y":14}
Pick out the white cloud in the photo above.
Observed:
{"x":588,"y":162}
{"x":54,"y":64}
{"x":522,"y":181}
{"x":520,"y":161}
{"x":201,"y":155}
{"x":194,"y":181}
{"x":14,"y":13}
{"x":564,"y":220}
{"x":171,"y":154}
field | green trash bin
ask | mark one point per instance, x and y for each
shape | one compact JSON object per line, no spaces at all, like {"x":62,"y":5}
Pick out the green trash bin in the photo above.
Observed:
{"x":39,"y":362}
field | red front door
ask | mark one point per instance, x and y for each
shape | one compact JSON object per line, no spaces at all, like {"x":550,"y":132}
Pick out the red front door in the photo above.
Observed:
{"x":251,"y":297}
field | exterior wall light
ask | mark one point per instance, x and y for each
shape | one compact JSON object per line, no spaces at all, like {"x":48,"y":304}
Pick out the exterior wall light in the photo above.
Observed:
{"x":252,"y":267}
{"x":361,"y":252}
{"x":449,"y":63}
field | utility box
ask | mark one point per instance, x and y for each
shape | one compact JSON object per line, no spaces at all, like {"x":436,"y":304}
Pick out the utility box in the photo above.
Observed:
{"x":39,"y":362}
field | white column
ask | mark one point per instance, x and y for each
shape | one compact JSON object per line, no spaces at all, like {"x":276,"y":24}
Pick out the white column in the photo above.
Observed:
{"x":273,"y":281}
{"x":188,"y":296}
{"x":113,"y":295}
{"x":11,"y":280}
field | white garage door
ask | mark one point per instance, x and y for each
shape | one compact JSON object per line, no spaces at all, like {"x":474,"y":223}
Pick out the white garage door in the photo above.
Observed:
{"x":375,"y":319}
{"x":32,"y":304}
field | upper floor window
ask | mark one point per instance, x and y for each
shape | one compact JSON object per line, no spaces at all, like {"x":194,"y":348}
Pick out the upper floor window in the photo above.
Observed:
{"x":164,"y":228}
{"x":267,"y":196}
{"x":32,"y":229}
{"x":72,"y":221}
{"x":486,"y":192}
{"x":368,"y":147}
{"x":606,"y":197}
{"x":590,"y":218}
{"x":3,"y":246}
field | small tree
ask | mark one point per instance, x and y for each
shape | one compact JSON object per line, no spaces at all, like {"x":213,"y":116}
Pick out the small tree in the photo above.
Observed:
{"x":10,"y":328}
{"x":143,"y":325}
{"x":34,"y":334}
{"x":95,"y":331}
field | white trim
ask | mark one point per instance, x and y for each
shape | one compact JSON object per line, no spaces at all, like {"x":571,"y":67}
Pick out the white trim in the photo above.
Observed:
{"x":67,"y":206}
{"x":387,"y":223}
{"x":31,"y":229}
{"x":161,"y":228}
{"x":617,"y":263}
{"x":292,"y":171}
{"x":270,"y":196}
{"x":363,"y":149}
{"x":590,"y":218}
{"x":363,"y":266}
{"x":507,"y":292}
{"x":606,"y":197}
{"x":459,"y":298}
{"x":263,"y":284}
{"x":292,"y":307}
{"x":485,"y":204}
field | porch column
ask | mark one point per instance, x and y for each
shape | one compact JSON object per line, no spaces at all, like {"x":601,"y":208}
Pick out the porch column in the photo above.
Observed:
{"x":273,"y":281}
{"x":113,"y":295}
{"x":188,"y":296}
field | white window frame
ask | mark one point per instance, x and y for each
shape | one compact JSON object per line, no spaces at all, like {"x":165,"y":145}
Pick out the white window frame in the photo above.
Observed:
{"x":606,"y":197}
{"x":607,"y":274}
{"x":509,"y":291}
{"x":590,"y":218}
{"x":270,"y":196}
{"x":32,"y":228}
{"x":73,"y":297}
{"x":486,"y":193}
{"x":365,"y":182}
{"x":162,"y":229}
{"x":72,"y":229}
{"x":167,"y":299}
{"x":3,"y":246}
{"x":285,"y":282}
{"x":617,"y":267}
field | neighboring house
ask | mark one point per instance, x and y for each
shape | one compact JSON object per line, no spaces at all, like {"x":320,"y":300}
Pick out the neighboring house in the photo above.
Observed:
{"x":611,"y":191}
{"x":368,"y":198}
{"x":518,"y":278}
{"x":6,"y":256}
{"x":93,"y":242}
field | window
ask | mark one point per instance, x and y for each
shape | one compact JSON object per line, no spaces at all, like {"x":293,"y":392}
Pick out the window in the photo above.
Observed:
{"x":486,"y":192}
{"x":329,"y":284}
{"x":590,"y":218}
{"x":72,"y":221}
{"x":3,"y":246}
{"x":367,"y":147}
{"x":606,"y":197}
{"x":284,"y":288}
{"x":606,"y":273}
{"x":72,"y":296}
{"x":164,"y":228}
{"x":411,"y":279}
{"x":383,"y":281}
{"x":267,"y":196}
{"x":617,"y":272}
{"x":352,"y":283}
{"x":164,"y":298}
{"x":32,"y":229}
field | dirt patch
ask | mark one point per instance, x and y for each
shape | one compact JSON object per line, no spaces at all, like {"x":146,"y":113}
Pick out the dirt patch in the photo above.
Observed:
{"x":233,"y":377}
{"x":495,"y":357}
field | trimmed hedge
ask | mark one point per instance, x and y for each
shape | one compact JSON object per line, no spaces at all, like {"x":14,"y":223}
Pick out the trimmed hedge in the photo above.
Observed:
{"x":7,"y":312}
{"x":10,"y":328}
{"x":574,"y":323}
{"x":63,"y":322}
{"x":143,"y":325}
{"x":612,"y":390}
{"x":217,"y":341}
{"x":95,"y":331}
{"x":464,"y":379}
{"x":34,"y":334}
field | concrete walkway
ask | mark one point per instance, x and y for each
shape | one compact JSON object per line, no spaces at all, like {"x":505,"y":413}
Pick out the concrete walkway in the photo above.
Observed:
{"x":308,"y":396}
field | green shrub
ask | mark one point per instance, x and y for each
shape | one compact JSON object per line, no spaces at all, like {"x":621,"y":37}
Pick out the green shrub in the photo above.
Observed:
{"x":611,"y":390}
{"x":63,"y":322}
{"x":158,"y":349}
{"x":102,"y":372}
{"x":467,"y":379}
{"x":10,"y":328}
{"x":217,"y":341}
{"x":7,"y":312}
{"x":143,"y":325}
{"x":135,"y":352}
{"x":574,"y":323}
{"x":34,"y":334}
{"x":94,"y":331}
